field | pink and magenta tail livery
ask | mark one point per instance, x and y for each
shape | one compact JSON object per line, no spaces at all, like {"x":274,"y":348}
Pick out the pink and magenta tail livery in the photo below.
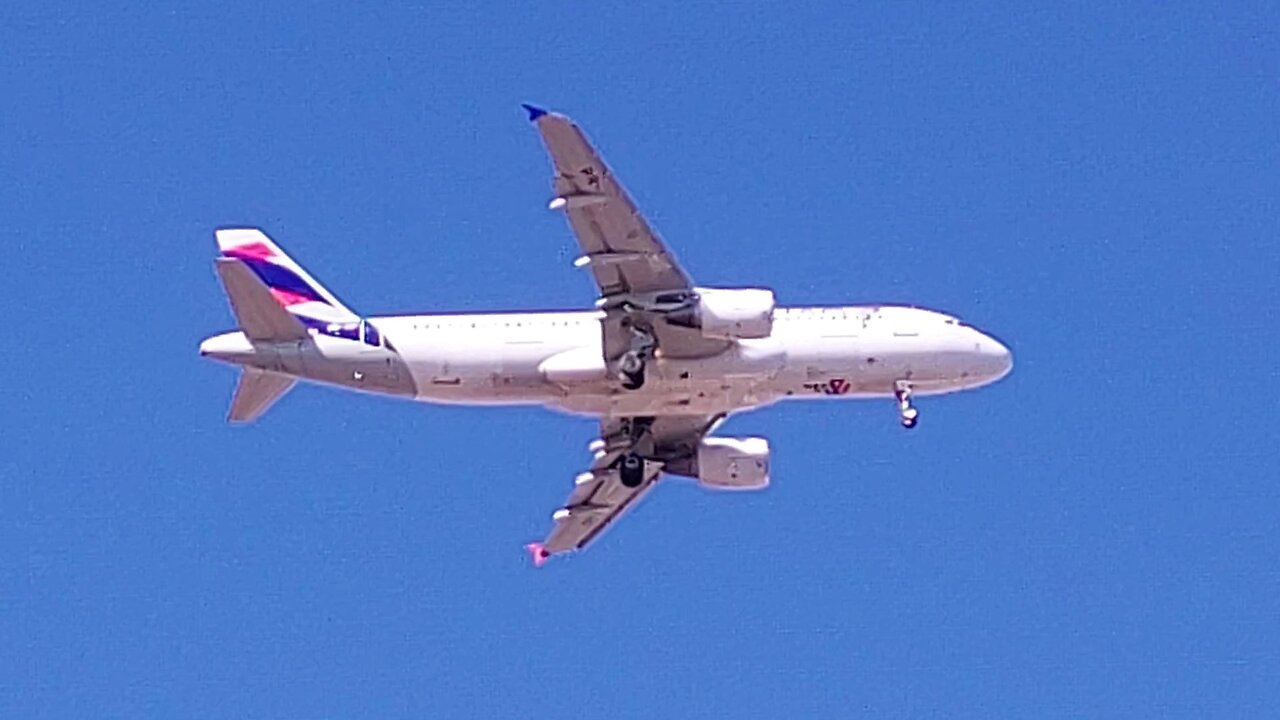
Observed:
{"x":291,"y":285}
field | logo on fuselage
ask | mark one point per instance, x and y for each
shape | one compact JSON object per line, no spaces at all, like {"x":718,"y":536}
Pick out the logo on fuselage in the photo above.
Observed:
{"x":834,"y":386}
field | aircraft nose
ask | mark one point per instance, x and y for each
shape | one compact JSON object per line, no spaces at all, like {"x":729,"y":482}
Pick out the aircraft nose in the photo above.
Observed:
{"x":995,"y":356}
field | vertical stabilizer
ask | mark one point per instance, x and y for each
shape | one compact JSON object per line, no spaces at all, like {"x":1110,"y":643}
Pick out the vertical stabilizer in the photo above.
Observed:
{"x":253,"y":304}
{"x":278,"y":306}
{"x":257,"y":391}
{"x":292,"y":287}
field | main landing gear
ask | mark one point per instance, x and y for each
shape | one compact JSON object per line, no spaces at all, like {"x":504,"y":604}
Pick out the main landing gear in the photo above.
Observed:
{"x":631,"y":370}
{"x":631,"y":470}
{"x":907,"y":413}
{"x":631,"y":366}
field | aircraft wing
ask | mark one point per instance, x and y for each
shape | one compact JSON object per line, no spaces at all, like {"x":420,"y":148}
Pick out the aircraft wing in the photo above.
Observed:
{"x":627,"y":259}
{"x":599,"y":497}
{"x":624,"y":254}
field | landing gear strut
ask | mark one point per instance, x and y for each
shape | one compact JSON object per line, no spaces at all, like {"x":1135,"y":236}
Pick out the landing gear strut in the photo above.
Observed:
{"x":631,"y":470}
{"x":631,"y":365}
{"x":907,"y":413}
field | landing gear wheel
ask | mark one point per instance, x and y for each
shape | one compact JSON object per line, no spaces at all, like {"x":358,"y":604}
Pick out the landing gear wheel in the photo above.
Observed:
{"x":631,"y":470}
{"x":633,"y":381}
{"x":631,"y":363}
{"x":910,"y":417}
{"x":631,"y":370}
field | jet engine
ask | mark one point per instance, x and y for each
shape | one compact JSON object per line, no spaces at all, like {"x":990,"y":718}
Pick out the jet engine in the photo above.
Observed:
{"x":731,"y":314}
{"x":733,"y":463}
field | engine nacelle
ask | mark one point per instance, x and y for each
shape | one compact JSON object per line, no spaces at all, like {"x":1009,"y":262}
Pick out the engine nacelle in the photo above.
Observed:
{"x":742,"y":313}
{"x":733,"y":463}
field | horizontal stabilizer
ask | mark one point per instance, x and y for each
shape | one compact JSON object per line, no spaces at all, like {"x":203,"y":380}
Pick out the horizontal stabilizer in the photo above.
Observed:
{"x":257,"y":391}
{"x":260,"y":316}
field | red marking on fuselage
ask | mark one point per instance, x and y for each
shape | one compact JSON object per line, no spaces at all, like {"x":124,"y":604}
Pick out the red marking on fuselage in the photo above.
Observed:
{"x":837,"y":386}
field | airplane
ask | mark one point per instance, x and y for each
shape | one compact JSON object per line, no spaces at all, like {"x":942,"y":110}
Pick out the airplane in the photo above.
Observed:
{"x":659,"y":360}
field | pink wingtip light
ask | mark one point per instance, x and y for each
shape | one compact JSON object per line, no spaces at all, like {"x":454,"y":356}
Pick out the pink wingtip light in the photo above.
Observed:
{"x":539,"y":553}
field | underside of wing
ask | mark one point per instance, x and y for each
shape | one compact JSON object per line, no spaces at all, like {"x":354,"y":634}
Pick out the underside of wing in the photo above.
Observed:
{"x":623,"y":253}
{"x":599,"y":497}
{"x":607,"y":490}
{"x":634,"y":270}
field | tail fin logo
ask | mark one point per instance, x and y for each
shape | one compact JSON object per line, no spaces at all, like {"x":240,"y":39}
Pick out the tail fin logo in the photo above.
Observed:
{"x":289,"y":284}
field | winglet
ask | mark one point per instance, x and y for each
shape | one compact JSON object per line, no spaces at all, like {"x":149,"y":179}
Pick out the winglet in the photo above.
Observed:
{"x":539,"y":553}
{"x":534,"y":111}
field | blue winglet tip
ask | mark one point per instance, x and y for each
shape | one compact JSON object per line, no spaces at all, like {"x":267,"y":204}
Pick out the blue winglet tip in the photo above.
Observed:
{"x":534,"y":111}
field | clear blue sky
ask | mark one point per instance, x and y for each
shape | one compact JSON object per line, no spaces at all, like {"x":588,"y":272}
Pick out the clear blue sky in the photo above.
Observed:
{"x":1095,"y":536}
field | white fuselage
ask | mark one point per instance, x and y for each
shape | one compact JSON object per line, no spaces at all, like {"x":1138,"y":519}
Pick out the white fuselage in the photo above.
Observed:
{"x":555,"y":359}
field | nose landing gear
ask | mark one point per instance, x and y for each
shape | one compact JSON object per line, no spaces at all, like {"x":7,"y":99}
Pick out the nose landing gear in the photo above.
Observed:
{"x":908,"y":415}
